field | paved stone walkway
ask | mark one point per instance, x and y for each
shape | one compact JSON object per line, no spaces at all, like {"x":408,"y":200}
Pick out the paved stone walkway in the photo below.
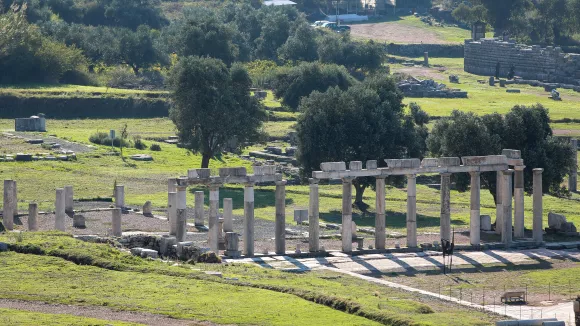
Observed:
{"x":365,"y":265}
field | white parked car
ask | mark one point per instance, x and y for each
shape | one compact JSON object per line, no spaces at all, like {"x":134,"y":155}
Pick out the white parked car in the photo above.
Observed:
{"x":319,"y":23}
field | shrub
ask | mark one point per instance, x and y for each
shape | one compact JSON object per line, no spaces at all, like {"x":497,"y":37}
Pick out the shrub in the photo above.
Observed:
{"x":155,"y":147}
{"x":123,"y":77}
{"x":139,"y":144}
{"x":102,"y":138}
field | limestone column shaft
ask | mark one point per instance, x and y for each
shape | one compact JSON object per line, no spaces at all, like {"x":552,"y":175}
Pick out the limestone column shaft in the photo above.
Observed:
{"x":475,"y":219}
{"x":506,"y":235}
{"x":280,"y":228}
{"x":32,"y":217}
{"x":120,"y":196}
{"x":214,"y":202}
{"x":519,"y":202}
{"x":68,"y":194}
{"x":116,"y":222}
{"x":228,"y":207}
{"x":445,"y":223}
{"x":181,"y":219}
{"x":347,"y":214}
{"x":499,"y":202}
{"x":573,"y":178}
{"x":313,"y":217}
{"x":380,"y":218}
{"x":172,"y":212}
{"x":59,"y":215}
{"x":249,"y":220}
{"x":9,"y":204}
{"x":411,"y":211}
{"x":538,"y":229}
{"x":199,"y":208}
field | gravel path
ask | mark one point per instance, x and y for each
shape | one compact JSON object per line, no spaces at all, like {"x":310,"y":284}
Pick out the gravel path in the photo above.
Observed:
{"x":98,"y":312}
{"x":65,"y":144}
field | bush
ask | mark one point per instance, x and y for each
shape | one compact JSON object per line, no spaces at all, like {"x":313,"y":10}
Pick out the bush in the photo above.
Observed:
{"x":121,"y":77}
{"x":102,"y":138}
{"x":155,"y":147}
{"x":138,"y":143}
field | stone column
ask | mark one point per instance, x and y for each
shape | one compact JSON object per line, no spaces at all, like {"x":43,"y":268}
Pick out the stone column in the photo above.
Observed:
{"x":499,"y":202}
{"x":214,"y":203}
{"x":68,"y":200}
{"x":228,"y":215}
{"x":519,"y":202}
{"x":181,"y":220}
{"x":199,"y":208}
{"x":506,"y":235}
{"x":249,"y":219}
{"x":380,"y":219}
{"x":280,"y":230}
{"x":116,"y":223}
{"x":573,"y":178}
{"x":120,"y":197}
{"x":172,"y":212}
{"x":313,"y":217}
{"x":347,"y":214}
{"x":445,"y":223}
{"x":32,"y":217}
{"x":59,"y":215}
{"x":538,"y":206}
{"x":411,"y":211}
{"x":426,"y":59}
{"x":9,"y":204}
{"x":475,"y":219}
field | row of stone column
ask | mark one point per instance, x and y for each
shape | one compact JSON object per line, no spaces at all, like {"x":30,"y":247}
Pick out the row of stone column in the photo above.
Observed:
{"x":178,"y":224}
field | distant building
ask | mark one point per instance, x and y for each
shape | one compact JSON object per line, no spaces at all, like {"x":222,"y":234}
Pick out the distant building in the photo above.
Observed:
{"x":279,"y":3}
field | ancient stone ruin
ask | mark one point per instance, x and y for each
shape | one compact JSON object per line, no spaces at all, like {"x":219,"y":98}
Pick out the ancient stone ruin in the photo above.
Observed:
{"x":548,"y":64}
{"x":34,"y":123}
{"x":413,"y":87}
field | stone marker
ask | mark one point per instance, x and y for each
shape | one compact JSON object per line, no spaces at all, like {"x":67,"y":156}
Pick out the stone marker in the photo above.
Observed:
{"x":181,"y":220}
{"x":485,"y":223}
{"x":426,"y":59}
{"x":198,"y":217}
{"x":228,"y":207}
{"x":214,"y":202}
{"x":60,"y":214}
{"x":491,"y":81}
{"x":79,"y":221}
{"x":116,"y":222}
{"x":172,"y":212}
{"x":32,"y":217}
{"x":68,"y":200}
{"x":147,"y":209}
{"x":538,"y":230}
{"x":9,"y":204}
{"x":313,"y":217}
{"x":232,"y":245}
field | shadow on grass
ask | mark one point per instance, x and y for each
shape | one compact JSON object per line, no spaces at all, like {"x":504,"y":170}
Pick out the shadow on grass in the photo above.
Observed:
{"x":262,"y":197}
{"x":394,"y":219}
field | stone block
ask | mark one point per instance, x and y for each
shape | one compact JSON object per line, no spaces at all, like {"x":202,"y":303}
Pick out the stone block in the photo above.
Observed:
{"x":166,"y":244}
{"x":203,"y":173}
{"x":35,"y":141}
{"x":141,"y":157}
{"x":300,"y":215}
{"x":449,"y":161}
{"x":410,"y":163}
{"x":147,"y":209}
{"x":555,"y":221}
{"x":23,"y":157}
{"x":79,"y":221}
{"x":512,"y":153}
{"x":484,"y":160}
{"x":372,"y":164}
{"x":355,"y":165}
{"x":232,"y":245}
{"x":149,"y":253}
{"x":485,"y":222}
{"x":265,"y":170}
{"x":3,"y":246}
{"x":233,"y":172}
{"x":568,"y":227}
{"x":513,"y":90}
{"x":430,"y":163}
{"x":136,"y":251}
{"x":333,"y":166}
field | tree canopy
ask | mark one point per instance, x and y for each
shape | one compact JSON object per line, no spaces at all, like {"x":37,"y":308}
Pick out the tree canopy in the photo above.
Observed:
{"x":212,"y":106}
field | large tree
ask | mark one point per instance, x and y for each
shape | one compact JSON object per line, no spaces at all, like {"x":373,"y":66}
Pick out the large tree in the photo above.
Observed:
{"x":212,"y":106}
{"x":524,"y":128}
{"x":365,"y":122}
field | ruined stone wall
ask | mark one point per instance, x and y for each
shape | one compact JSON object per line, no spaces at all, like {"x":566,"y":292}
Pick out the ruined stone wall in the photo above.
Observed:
{"x":530,"y":62}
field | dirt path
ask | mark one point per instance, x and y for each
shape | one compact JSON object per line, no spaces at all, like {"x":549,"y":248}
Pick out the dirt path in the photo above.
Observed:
{"x":396,"y":33}
{"x":98,"y":312}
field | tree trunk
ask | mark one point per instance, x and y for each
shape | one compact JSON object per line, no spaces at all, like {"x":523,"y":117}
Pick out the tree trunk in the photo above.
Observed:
{"x":360,"y":190}
{"x":205,"y":160}
{"x":135,"y":70}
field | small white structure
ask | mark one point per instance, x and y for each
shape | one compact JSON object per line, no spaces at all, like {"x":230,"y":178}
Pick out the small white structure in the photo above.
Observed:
{"x":349,"y":18}
{"x":34,"y":123}
{"x":279,"y":3}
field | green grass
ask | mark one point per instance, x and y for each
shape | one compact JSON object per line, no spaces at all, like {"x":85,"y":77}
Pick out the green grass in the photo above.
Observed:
{"x":157,"y":287}
{"x":21,"y":317}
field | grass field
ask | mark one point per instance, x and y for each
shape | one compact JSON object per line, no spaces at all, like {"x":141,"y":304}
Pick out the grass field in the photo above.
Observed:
{"x":21,"y":317}
{"x":252,"y":293}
